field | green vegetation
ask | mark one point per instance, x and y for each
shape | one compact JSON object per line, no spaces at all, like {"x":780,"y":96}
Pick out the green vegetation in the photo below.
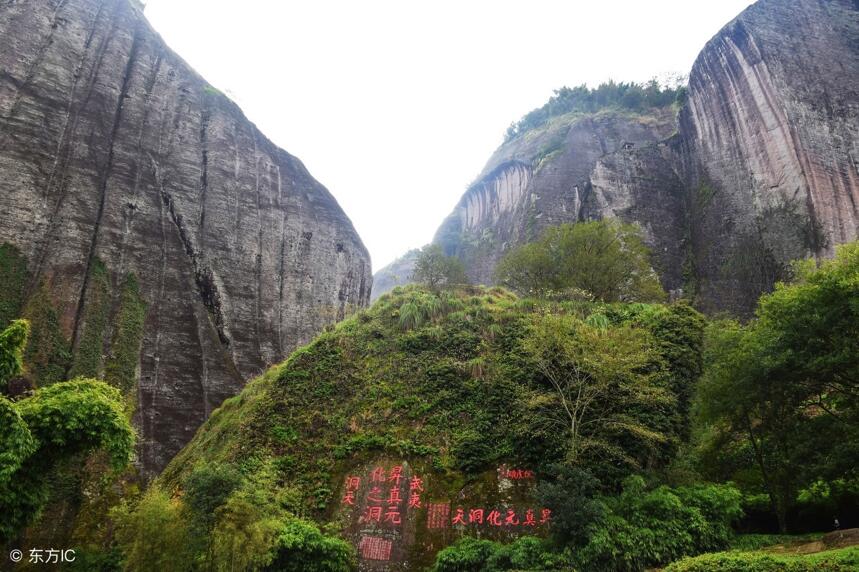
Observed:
{"x":121,"y":367}
{"x":47,"y":355}
{"x":603,"y":260}
{"x":88,"y":355}
{"x":631,"y":96}
{"x":434,"y":270}
{"x":13,"y":279}
{"x":780,"y":392}
{"x":450,"y":381}
{"x":844,"y":560}
{"x":40,"y":432}
{"x":13,"y":340}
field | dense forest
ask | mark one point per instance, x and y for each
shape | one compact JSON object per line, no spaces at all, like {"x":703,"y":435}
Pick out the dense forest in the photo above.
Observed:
{"x":658,"y":434}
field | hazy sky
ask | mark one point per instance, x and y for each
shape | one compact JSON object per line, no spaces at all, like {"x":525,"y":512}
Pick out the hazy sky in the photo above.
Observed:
{"x":396,"y":105}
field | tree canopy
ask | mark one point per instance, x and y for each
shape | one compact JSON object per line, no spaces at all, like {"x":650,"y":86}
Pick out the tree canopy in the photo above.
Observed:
{"x":786,"y":386}
{"x":434,"y":269}
{"x":606,"y":260}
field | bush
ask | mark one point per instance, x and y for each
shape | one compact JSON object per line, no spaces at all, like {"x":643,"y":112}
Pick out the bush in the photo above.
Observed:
{"x":301,"y":547}
{"x":474,"y":555}
{"x":651,"y":528}
{"x":154,"y":535}
{"x":845,"y":560}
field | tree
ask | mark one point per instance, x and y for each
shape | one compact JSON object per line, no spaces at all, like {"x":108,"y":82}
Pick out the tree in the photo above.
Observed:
{"x":600,"y":378}
{"x":434,"y":269}
{"x":154,"y":536}
{"x":787,"y":384}
{"x":13,"y":340}
{"x":53,"y":425}
{"x":605,"y":258}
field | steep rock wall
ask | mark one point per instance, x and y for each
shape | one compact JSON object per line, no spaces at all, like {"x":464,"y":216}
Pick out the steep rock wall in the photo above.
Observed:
{"x":759,"y":166}
{"x":114,"y":152}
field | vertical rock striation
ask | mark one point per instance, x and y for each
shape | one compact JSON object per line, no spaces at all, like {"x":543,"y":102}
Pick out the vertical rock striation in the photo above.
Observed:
{"x":114,"y":152}
{"x":759,"y":166}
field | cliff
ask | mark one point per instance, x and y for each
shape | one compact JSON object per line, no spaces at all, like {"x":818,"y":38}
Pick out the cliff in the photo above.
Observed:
{"x":755,"y":166}
{"x":152,"y":234}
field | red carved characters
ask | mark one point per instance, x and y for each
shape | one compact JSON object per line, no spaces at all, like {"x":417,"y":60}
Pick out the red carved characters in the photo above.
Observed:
{"x":438,"y":515}
{"x":352,"y":485}
{"x":518,"y":474}
{"x":375,"y":548}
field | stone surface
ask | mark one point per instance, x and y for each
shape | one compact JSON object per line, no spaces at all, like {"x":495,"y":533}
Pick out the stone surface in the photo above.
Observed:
{"x":114,"y":151}
{"x":758,"y":167}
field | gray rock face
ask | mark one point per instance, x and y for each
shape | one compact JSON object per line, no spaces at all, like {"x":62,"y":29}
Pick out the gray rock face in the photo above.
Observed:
{"x":114,"y":151}
{"x":758,"y":167}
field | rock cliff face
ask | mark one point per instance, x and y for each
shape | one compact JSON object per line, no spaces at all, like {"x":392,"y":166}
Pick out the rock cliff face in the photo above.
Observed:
{"x":120,"y":165}
{"x":756,"y":167}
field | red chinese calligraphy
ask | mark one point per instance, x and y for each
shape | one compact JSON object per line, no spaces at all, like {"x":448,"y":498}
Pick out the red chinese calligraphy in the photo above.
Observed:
{"x":375,"y":495}
{"x":415,"y":501}
{"x":353,"y":483}
{"x":459,"y":517}
{"x":529,"y":518}
{"x":494,"y":518}
{"x":438,"y":515}
{"x":416,"y":484}
{"x":394,"y":496}
{"x":545,"y":515}
{"x":396,"y":475}
{"x":475,"y":516}
{"x":393,"y":515}
{"x":349,"y":498}
{"x":375,"y":548}
{"x":372,"y":514}
{"x":378,"y":475}
{"x":519,"y":474}
{"x":511,"y":519}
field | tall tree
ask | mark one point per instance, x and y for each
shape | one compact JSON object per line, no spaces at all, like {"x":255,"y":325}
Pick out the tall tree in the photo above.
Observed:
{"x":787,"y":384}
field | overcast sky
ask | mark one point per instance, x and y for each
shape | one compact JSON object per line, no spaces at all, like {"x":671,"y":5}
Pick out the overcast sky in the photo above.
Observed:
{"x":396,"y":105}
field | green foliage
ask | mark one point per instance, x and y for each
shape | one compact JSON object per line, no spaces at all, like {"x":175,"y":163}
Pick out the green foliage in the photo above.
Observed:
{"x":13,"y":340}
{"x":47,"y":355}
{"x":62,"y":421}
{"x":435,"y":270}
{"x":301,"y":547}
{"x":645,"y":528}
{"x":154,"y":536}
{"x":475,"y":555}
{"x":844,"y":560}
{"x":88,"y":355}
{"x":572,"y":497}
{"x":243,"y":536}
{"x":120,"y":369}
{"x":207,"y":489}
{"x":456,"y":392}
{"x":632,"y":96}
{"x":13,"y":279}
{"x":597,"y":391}
{"x":781,"y":391}
{"x":605,"y":259}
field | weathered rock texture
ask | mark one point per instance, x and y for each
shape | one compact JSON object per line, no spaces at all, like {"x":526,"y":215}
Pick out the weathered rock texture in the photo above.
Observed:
{"x":114,"y":153}
{"x":758,"y":167}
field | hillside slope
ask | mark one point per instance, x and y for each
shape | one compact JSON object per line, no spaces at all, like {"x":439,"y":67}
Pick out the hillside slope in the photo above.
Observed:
{"x":437,"y":387}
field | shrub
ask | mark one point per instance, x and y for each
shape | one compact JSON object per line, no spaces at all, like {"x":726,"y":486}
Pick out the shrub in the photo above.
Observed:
{"x":475,"y":555}
{"x":845,"y":560}
{"x":301,"y":547}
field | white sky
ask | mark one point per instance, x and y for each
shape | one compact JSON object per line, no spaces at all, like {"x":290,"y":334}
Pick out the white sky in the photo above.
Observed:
{"x":395,"y":105}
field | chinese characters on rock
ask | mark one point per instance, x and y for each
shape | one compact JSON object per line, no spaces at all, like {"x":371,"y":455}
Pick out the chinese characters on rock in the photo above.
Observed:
{"x":440,"y":516}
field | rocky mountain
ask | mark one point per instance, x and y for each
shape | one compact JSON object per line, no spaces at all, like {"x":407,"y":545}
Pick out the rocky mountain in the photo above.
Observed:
{"x":754,"y":166}
{"x":151,"y":233}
